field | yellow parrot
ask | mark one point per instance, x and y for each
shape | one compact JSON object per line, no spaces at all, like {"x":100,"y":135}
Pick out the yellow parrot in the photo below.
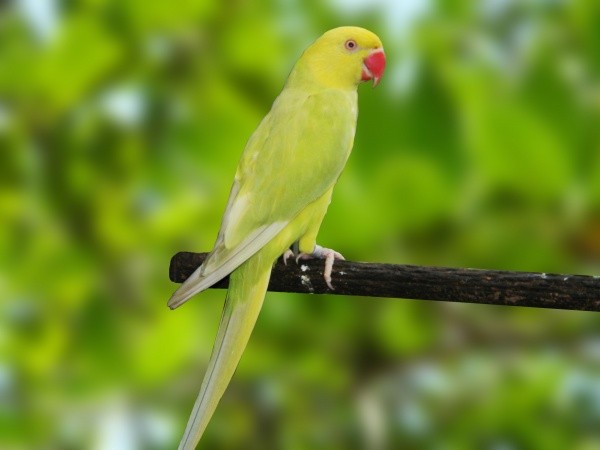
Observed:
{"x":280,"y":194}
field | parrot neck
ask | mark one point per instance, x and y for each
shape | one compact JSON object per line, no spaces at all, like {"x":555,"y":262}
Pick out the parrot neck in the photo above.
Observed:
{"x":318,"y":73}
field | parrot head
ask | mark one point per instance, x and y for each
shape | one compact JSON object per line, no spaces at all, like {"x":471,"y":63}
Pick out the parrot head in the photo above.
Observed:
{"x":342,"y":57}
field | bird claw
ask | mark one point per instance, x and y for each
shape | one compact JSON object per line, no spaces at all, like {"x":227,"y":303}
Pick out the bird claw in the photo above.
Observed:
{"x":288,"y":253}
{"x":328,"y":255}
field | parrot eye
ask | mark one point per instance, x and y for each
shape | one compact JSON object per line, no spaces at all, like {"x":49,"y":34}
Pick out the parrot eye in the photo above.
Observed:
{"x":350,"y":44}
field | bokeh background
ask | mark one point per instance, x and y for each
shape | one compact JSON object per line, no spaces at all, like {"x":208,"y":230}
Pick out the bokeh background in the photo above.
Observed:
{"x":121,"y":123}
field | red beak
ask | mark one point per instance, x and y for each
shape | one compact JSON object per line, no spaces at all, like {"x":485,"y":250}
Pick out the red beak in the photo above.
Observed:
{"x":373,"y":66}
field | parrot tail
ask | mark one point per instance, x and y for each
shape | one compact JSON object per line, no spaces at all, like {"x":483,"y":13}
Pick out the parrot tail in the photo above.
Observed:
{"x":247,"y":288}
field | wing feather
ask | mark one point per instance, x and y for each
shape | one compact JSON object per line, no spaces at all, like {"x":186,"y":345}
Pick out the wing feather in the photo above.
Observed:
{"x":296,"y":154}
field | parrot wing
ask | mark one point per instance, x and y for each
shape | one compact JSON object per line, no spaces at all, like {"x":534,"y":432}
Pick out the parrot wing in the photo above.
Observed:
{"x":302,"y":132}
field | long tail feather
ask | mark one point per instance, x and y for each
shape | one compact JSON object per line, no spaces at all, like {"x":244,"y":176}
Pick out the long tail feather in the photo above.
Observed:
{"x":247,"y":288}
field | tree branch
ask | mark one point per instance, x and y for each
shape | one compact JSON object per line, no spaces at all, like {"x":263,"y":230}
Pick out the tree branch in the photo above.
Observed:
{"x":492,"y":287}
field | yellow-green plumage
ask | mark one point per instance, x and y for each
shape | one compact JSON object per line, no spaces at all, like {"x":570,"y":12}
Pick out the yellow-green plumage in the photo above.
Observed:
{"x":281,"y":191}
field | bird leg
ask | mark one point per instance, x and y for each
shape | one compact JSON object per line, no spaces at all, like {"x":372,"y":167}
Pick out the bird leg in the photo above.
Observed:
{"x":327,"y":254}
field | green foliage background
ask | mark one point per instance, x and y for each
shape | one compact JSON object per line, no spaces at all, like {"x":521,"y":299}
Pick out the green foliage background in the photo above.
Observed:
{"x":121,"y":123}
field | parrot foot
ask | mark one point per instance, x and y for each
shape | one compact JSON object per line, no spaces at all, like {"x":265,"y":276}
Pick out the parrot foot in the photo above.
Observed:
{"x":328,"y":255}
{"x":288,"y":254}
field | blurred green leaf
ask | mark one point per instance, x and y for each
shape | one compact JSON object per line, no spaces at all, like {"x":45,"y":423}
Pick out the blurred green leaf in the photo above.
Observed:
{"x":121,"y":124}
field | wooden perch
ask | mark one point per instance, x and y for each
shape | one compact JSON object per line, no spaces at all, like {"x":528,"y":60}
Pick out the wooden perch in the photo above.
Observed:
{"x":492,"y":287}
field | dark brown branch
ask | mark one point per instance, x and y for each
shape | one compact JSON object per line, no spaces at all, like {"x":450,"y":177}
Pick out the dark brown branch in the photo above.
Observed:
{"x":492,"y":287}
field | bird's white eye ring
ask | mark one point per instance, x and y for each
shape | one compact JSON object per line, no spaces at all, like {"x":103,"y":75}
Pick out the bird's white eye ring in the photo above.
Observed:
{"x":350,"y":44}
